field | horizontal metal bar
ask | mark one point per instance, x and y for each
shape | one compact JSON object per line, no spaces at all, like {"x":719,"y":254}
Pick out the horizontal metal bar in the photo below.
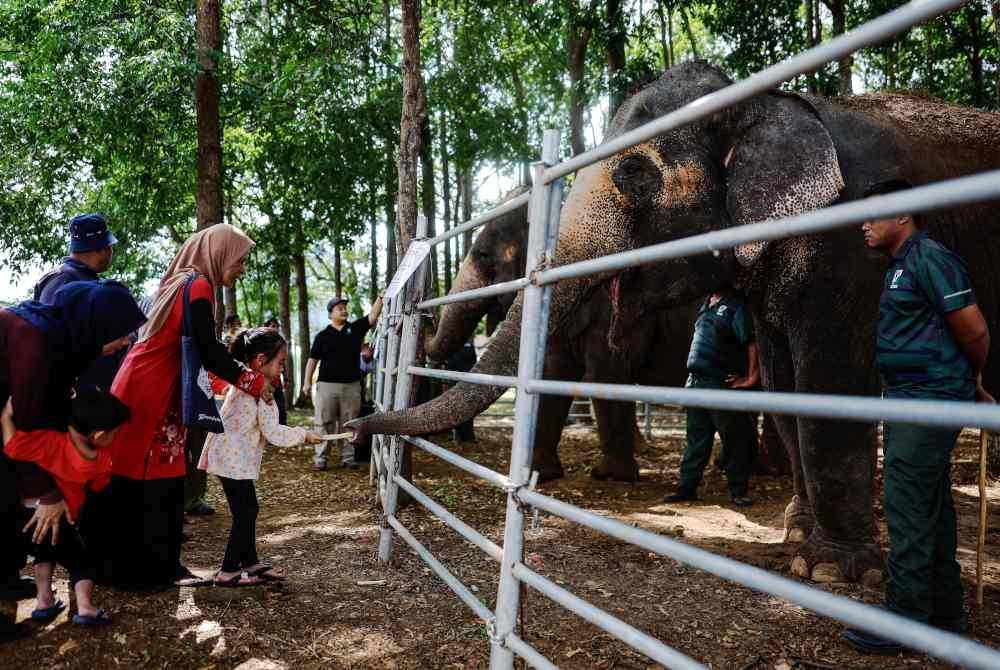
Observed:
{"x":850,"y":408}
{"x":937,"y":643}
{"x":484,"y":473}
{"x":471,"y":224}
{"x":451,"y":580}
{"x":939,"y":195}
{"x":528,"y":653}
{"x":465,"y":530}
{"x":500,"y":288}
{"x":471,"y":377}
{"x":867,"y":34}
{"x":630,"y":635}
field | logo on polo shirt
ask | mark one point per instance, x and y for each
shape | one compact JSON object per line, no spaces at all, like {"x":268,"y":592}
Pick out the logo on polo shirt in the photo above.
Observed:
{"x":722,"y":310}
{"x":895,"y":279}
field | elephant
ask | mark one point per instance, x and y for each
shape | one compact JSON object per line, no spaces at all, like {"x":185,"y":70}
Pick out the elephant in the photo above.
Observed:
{"x":593,"y":347}
{"x":813,"y":298}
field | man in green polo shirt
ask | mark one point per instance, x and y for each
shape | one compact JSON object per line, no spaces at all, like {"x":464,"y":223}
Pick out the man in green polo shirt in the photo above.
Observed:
{"x":723,"y":355}
{"x":932,"y":344}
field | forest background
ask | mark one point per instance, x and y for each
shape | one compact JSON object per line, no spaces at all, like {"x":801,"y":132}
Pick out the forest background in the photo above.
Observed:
{"x":100,"y":102}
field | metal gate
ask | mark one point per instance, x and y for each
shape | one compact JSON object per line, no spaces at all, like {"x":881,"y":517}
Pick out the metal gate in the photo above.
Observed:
{"x":399,"y":330}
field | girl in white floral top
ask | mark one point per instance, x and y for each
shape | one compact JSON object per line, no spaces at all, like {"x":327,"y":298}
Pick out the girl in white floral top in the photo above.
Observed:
{"x":235,"y":455}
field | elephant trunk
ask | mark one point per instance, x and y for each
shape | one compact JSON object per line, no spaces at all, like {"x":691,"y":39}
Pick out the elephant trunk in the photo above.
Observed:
{"x":458,"y":320}
{"x":579,"y":239}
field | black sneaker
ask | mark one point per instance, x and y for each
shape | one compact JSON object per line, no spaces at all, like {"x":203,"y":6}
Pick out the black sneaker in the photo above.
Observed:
{"x":681,"y":495}
{"x":201,"y":509}
{"x":869,"y":643}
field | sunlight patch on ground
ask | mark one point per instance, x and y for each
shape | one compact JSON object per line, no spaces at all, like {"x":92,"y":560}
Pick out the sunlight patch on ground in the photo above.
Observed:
{"x":350,"y":524}
{"x":705,"y":522}
{"x":186,"y":607}
{"x":354,"y":645}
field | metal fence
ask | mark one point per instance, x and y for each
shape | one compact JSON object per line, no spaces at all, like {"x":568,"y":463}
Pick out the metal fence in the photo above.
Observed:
{"x":397,"y":346}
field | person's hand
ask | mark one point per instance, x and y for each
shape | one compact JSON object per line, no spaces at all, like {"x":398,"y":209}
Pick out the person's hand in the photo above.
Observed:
{"x":8,"y":409}
{"x":46,"y":518}
{"x":739,"y":382}
{"x":307,"y":389}
{"x":267,"y":393}
{"x":314,"y":438}
{"x":982,"y":395}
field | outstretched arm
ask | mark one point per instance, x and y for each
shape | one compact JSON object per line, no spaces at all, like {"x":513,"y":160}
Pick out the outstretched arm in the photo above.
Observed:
{"x":376,"y":311}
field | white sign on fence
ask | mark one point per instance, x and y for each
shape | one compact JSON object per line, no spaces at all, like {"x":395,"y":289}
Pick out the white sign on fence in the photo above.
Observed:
{"x":415,"y":254}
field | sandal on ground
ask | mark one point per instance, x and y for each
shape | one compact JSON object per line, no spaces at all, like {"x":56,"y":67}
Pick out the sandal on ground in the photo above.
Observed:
{"x":48,"y":613}
{"x":238,"y":580}
{"x":100,"y":618}
{"x":267,"y":572}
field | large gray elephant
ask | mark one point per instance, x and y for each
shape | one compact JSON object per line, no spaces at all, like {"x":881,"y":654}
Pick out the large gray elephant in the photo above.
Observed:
{"x":596,"y":345}
{"x":814,"y":298}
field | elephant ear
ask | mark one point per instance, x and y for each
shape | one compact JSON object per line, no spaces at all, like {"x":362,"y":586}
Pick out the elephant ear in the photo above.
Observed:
{"x":782,"y":162}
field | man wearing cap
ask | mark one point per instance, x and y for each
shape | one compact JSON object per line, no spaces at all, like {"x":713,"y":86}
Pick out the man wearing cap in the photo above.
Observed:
{"x":91,"y":250}
{"x":337,"y":351}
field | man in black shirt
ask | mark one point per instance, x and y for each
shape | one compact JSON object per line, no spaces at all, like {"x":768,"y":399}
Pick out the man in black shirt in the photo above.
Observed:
{"x":337,"y":351}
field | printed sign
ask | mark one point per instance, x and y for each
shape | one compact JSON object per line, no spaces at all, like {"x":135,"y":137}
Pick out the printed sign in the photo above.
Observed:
{"x":415,"y":255}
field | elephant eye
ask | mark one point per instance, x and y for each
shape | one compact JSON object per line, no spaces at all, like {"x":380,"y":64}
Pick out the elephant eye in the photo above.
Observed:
{"x":637,"y":178}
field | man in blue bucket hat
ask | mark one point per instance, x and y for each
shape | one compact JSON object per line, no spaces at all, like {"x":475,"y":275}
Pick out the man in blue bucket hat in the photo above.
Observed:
{"x":91,"y":250}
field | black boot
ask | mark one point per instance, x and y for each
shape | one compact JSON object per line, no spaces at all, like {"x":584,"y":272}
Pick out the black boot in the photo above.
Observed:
{"x":682,"y":494}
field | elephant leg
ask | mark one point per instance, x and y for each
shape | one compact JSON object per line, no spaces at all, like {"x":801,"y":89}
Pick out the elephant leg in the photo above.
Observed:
{"x":778,"y":374}
{"x":552,"y":412}
{"x":615,"y":425}
{"x":838,"y":461}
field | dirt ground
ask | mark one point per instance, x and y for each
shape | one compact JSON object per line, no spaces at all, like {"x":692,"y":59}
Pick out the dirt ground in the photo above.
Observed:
{"x":341,"y":609}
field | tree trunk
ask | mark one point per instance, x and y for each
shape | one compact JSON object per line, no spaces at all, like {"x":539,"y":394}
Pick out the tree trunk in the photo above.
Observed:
{"x":838,"y":9}
{"x":577,"y":40}
{"x":338,"y":282}
{"x":285,"y":318}
{"x":373,"y":288}
{"x":209,"y":123}
{"x":690,"y":33}
{"x":995,"y":9}
{"x":409,"y":127}
{"x":428,"y":200}
{"x":303,"y":310}
{"x":812,"y":39}
{"x":445,"y":198}
{"x":615,"y":53}
{"x":974,"y":21}
{"x":467,"y":197}
{"x":230,"y":299}
{"x":666,"y":48}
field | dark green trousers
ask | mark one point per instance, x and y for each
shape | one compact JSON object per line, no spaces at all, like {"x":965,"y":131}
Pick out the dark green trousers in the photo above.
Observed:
{"x":195,"y":481}
{"x":739,"y":446}
{"x":924,"y":577}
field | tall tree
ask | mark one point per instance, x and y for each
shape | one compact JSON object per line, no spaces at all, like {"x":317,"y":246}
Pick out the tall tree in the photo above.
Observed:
{"x":838,"y":9}
{"x":615,"y":41}
{"x":206,"y":95}
{"x":578,"y":33}
{"x":414,"y":110}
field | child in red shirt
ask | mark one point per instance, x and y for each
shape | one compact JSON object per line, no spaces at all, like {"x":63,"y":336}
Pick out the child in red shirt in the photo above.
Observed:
{"x":75,"y":459}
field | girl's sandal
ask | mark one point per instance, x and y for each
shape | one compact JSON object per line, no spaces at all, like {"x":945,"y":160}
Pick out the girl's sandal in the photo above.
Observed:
{"x":238,"y":580}
{"x":268,"y":573}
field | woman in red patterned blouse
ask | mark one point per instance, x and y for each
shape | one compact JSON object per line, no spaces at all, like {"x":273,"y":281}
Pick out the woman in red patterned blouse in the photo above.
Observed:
{"x":136,"y":526}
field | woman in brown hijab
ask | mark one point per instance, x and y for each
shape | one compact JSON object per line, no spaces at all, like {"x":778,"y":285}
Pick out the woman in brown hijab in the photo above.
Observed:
{"x":135,"y":529}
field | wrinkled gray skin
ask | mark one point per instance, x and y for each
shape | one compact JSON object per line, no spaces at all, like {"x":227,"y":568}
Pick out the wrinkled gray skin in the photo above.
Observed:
{"x":814,"y":299}
{"x":598,"y":344}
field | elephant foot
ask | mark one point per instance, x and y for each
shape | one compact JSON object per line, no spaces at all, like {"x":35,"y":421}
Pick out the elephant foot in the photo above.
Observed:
{"x":548,"y":469}
{"x":823,"y":560}
{"x":618,"y":470}
{"x":799,"y":520}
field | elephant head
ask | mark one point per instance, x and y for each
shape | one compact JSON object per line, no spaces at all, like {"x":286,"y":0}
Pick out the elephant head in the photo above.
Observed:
{"x":497,"y":255}
{"x":769,"y":156}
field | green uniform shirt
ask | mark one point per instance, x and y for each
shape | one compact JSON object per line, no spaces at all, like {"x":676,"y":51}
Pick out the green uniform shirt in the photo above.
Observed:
{"x":917,"y":355}
{"x":719,"y":346}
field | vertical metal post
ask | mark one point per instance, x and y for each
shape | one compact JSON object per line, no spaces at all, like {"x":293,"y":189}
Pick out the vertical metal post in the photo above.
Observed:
{"x":534,"y":329}
{"x":648,"y":415}
{"x":407,"y":354}
{"x":391,"y":363}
